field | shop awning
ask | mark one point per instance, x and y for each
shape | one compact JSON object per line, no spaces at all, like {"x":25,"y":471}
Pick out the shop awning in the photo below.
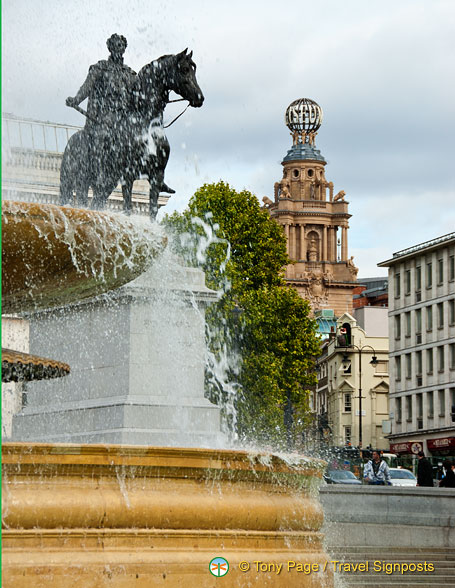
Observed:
{"x":441,"y":444}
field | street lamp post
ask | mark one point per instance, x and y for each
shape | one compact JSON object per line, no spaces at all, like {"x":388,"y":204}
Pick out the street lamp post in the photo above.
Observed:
{"x":346,"y":362}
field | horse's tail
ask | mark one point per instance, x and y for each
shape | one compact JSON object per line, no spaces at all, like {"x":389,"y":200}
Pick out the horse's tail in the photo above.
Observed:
{"x":73,"y":170}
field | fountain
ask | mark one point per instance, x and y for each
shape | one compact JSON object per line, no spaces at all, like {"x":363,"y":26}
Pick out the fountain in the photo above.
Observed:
{"x":110,"y":509}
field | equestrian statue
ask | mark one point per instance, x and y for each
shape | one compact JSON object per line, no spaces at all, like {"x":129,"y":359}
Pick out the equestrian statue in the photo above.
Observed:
{"x":123,"y":138}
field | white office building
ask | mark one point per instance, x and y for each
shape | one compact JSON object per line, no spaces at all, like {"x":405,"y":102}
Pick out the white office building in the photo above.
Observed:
{"x":422,"y":347}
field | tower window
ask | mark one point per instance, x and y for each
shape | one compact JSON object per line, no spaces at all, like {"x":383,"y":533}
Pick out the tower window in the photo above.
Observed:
{"x":310,"y":173}
{"x":295,"y":173}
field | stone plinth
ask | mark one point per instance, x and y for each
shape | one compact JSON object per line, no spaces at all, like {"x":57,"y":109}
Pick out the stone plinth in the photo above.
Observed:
{"x":137,"y":361}
{"x":79,"y":515}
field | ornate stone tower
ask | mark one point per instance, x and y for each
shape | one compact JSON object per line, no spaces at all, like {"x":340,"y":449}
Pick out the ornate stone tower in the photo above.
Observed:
{"x":315,"y":220}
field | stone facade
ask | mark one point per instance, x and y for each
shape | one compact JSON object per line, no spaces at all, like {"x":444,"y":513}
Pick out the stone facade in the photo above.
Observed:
{"x":422,"y":347}
{"x":337,"y":393}
{"x":315,"y":221}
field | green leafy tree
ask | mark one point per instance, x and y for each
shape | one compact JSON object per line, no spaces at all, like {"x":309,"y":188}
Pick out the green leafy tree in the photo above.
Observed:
{"x":258,"y":318}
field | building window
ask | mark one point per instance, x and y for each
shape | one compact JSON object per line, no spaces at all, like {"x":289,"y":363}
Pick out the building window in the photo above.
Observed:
{"x":419,"y":399}
{"x":418,"y":363}
{"x":430,"y":403}
{"x":442,"y":402}
{"x":418,"y":321}
{"x":347,"y":403}
{"x":440,"y":308}
{"x":441,"y":364}
{"x":407,"y":282}
{"x":398,"y":368}
{"x":398,"y":409}
{"x":452,"y":268}
{"x":429,"y":318}
{"x":408,"y":365}
{"x":382,"y":367}
{"x":398,"y":327}
{"x":429,"y":361}
{"x":440,"y":271}
{"x":451,"y":312}
{"x":418,"y":278}
{"x":429,"y":276}
{"x":397,"y":286}
{"x":347,"y":435}
{"x":407,"y":318}
{"x":409,"y":408}
{"x":452,"y":356}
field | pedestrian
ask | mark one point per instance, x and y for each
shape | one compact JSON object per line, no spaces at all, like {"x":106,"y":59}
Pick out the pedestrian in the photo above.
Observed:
{"x":376,"y":471}
{"x":424,"y":471}
{"x":448,"y":481}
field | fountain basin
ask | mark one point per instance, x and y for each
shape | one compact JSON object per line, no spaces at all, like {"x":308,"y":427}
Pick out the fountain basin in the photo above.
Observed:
{"x":95,"y":515}
{"x":23,"y":367}
{"x":54,"y":255}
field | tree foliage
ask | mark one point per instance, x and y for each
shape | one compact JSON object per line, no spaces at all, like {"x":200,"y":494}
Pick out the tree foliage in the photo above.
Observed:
{"x":258,"y":318}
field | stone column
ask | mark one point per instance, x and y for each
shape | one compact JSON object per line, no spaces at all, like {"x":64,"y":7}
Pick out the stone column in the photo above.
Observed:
{"x":297,"y":236}
{"x":292,"y":242}
{"x":329,"y":243}
{"x":324,"y":244}
{"x":344,"y":244}
{"x":286,"y":232}
{"x":302,"y":243}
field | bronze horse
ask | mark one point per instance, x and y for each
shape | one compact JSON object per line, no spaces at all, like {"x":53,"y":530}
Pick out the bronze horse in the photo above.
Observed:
{"x":135,"y":145}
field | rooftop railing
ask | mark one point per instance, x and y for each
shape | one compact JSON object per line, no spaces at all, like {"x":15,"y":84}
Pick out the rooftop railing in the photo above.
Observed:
{"x":424,"y":245}
{"x":28,"y":133}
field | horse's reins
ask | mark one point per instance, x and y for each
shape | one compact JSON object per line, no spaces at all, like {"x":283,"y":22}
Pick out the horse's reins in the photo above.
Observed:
{"x":177,"y":117}
{"x":85,"y":113}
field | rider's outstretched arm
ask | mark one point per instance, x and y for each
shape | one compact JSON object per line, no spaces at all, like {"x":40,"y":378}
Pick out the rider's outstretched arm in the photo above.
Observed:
{"x":85,"y":89}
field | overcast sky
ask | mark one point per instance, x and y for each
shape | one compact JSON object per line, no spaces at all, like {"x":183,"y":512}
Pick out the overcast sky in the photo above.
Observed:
{"x":383,"y":73}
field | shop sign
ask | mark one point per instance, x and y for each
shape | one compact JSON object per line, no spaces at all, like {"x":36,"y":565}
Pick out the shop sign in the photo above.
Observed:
{"x":440,"y":444}
{"x":408,"y":447}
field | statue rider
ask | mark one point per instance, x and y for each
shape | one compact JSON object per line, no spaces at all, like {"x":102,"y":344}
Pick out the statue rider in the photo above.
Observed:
{"x":107,"y":88}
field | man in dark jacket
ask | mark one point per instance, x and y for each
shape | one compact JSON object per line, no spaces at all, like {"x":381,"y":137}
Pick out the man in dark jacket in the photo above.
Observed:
{"x":424,"y":471}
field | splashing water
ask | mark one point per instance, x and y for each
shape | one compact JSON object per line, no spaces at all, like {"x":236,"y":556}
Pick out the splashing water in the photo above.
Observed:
{"x":222,"y":362}
{"x":55,"y":255}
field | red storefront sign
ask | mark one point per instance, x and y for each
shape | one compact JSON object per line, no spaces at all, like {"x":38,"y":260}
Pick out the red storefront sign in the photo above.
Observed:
{"x":440,"y":444}
{"x":408,"y":447}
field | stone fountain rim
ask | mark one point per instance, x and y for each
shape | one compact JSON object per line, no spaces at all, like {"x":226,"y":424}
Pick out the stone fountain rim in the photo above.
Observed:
{"x":26,"y":453}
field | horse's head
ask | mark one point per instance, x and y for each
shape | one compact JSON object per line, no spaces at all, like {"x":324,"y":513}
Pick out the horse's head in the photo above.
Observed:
{"x":169,"y":72}
{"x":183,"y":79}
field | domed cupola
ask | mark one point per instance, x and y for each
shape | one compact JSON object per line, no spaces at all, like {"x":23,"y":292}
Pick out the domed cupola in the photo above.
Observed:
{"x":303,"y":118}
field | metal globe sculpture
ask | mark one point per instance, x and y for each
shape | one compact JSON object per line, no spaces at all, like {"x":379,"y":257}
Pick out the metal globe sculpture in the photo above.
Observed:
{"x":303,"y":116}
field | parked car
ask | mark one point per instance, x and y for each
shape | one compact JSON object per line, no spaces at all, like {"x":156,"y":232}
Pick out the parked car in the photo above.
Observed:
{"x":402,"y":477}
{"x":341,"y":477}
